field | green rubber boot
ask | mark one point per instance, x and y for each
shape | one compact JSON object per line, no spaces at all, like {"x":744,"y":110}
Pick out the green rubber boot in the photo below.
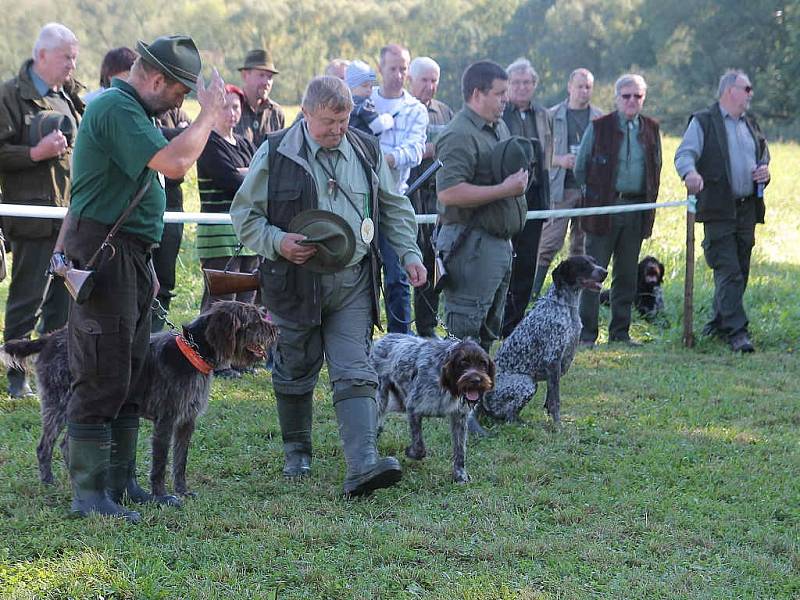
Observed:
{"x":122,"y":470}
{"x":89,"y":457}
{"x":295,"y":413}
{"x":366,"y":471}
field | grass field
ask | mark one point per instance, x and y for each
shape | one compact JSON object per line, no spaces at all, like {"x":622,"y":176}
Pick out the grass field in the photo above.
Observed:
{"x":674,"y":475}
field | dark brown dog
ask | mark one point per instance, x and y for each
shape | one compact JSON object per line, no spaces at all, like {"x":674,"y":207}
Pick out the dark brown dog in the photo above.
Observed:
{"x":173,"y":391}
{"x":426,"y":377}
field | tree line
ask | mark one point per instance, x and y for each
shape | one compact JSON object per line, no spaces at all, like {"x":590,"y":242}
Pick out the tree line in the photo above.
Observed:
{"x":680,"y":46}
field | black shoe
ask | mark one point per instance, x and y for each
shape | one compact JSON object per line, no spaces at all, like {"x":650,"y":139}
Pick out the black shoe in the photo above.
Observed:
{"x":295,"y":415}
{"x":740,"y":342}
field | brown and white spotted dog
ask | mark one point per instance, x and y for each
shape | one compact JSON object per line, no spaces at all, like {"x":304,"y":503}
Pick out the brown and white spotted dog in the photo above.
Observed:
{"x":426,"y":377}
{"x":174,"y":387}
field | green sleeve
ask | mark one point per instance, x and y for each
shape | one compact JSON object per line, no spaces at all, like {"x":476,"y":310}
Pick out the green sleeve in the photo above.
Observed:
{"x":456,"y":150}
{"x":249,"y":209}
{"x":129,"y":136}
{"x":584,"y":153}
{"x":397,"y":220}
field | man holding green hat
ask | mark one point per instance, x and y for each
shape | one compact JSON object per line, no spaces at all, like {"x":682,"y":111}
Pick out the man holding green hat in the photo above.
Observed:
{"x":121,"y":156}
{"x":312,"y":204}
{"x":260,"y":114}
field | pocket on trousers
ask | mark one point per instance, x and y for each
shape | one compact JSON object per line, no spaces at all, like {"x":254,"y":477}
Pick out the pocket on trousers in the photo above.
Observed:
{"x":98,"y":346}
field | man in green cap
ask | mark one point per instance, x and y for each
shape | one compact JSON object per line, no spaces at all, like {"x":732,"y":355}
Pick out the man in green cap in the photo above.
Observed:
{"x":478,"y":212}
{"x":35,"y":169}
{"x":260,"y":114}
{"x":318,"y":164}
{"x":121,"y":154}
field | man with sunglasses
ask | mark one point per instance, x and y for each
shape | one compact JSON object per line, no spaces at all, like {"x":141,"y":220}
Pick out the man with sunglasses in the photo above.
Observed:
{"x":619,"y":162}
{"x":723,"y":159}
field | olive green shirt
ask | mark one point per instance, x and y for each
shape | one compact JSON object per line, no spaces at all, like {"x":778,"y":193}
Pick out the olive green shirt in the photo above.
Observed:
{"x":116,"y":140}
{"x":249,"y":208}
{"x":630,"y":176}
{"x":465,"y":148}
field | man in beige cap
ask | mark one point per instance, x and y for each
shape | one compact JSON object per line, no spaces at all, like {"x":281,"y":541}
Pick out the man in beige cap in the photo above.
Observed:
{"x":260,"y":115}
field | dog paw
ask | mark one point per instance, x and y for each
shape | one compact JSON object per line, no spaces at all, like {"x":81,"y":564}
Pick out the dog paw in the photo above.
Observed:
{"x":461,"y":476}
{"x":416,"y":453}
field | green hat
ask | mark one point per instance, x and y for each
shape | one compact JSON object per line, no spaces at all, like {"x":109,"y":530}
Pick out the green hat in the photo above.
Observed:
{"x":259,"y":59}
{"x":330,"y":234}
{"x":173,"y":55}
{"x":511,"y":155}
{"x":45,"y":122}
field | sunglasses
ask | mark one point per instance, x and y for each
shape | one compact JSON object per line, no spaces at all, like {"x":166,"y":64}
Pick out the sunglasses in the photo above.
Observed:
{"x":629,"y":96}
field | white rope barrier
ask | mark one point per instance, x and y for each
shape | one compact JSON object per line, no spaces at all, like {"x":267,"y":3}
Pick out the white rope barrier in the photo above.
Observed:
{"x":56,"y":212}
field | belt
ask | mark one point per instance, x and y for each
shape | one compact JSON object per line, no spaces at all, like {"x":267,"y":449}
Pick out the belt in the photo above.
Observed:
{"x":743,"y":198}
{"x":100,"y":230}
{"x":629,"y":197}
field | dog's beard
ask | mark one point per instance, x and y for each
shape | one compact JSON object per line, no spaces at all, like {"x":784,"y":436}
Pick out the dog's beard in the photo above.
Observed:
{"x":471,"y":387}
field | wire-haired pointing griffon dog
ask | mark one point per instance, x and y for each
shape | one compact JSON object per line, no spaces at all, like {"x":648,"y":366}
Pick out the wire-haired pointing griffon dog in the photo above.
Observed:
{"x":174,"y":386}
{"x":542,"y":346}
{"x":432,"y":378}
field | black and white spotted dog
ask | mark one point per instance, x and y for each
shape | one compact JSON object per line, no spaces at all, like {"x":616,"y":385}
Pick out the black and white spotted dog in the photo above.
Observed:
{"x":175,"y":384}
{"x":432,"y":378}
{"x":542,"y":346}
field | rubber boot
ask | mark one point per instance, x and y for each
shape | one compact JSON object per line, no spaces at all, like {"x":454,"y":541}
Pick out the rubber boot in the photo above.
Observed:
{"x":18,"y":386}
{"x":122,"y":470}
{"x":538,"y":280}
{"x":89,"y":457}
{"x":295,"y":412}
{"x":366,"y":471}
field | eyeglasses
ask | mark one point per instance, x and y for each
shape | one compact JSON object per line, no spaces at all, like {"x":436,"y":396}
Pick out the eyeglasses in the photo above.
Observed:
{"x":628,"y":96}
{"x":747,"y":88}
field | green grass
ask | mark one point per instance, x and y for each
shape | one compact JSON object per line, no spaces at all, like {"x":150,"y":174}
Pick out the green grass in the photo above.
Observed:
{"x":674,"y":475}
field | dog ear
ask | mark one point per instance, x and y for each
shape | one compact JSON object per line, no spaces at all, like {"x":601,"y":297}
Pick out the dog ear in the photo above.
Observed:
{"x":221,"y":332}
{"x":561,"y":273}
{"x":448,"y":378}
{"x":491,"y":370}
{"x":660,"y":270}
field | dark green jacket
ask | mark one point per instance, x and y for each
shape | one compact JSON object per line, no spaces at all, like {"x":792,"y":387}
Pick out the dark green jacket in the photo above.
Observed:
{"x":22,"y":180}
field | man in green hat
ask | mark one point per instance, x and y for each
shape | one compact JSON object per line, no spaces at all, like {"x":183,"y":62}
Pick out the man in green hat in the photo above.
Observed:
{"x":260,"y":114}
{"x":35,"y":169}
{"x":320,"y":164}
{"x":121,"y":154}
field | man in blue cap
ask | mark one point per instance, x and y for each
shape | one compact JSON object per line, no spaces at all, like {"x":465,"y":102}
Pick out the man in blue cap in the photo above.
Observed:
{"x":121,"y":155}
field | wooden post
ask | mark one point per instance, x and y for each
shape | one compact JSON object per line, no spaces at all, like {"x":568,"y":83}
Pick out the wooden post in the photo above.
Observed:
{"x":688,"y":289}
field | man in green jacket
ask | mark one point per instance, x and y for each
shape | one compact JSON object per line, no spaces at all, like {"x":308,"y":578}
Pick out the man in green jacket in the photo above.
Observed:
{"x":318,"y":166}
{"x":39,"y":114}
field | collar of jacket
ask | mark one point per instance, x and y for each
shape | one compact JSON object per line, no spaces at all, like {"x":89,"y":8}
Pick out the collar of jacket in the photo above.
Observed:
{"x":28,"y":91}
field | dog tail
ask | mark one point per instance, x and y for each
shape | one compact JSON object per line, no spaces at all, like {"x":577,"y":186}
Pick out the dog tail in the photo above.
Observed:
{"x":13,"y":353}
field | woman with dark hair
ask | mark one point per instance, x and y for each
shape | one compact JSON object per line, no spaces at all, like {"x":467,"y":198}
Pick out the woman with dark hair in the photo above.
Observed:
{"x":116,"y":63}
{"x":221,"y":169}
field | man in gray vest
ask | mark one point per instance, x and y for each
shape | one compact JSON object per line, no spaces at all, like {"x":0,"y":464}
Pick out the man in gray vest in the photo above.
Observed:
{"x":723,"y":159}
{"x":318,"y":168}
{"x":35,"y":160}
{"x":570,"y":119}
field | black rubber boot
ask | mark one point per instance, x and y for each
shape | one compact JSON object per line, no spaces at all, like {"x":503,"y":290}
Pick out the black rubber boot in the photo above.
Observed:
{"x":89,"y":457}
{"x":538,"y":280}
{"x":18,"y":384}
{"x":295,"y":412}
{"x":122,"y":470}
{"x":366,"y":471}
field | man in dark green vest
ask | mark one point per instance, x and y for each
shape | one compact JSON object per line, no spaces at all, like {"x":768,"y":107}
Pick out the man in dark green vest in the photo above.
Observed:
{"x":320,"y":167}
{"x":723,"y":159}
{"x":619,"y":162}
